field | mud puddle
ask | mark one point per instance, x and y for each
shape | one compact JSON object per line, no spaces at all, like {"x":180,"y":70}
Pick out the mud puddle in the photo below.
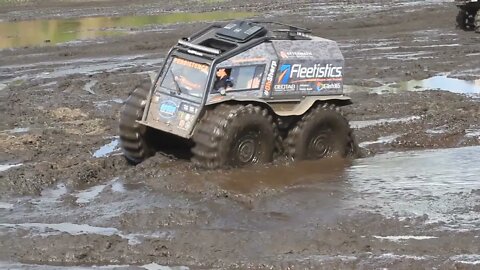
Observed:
{"x":150,"y":266}
{"x":113,"y":147}
{"x":441,"y":82}
{"x":433,"y":184}
{"x":17,"y":130}
{"x":427,"y":197}
{"x":329,"y":9}
{"x":52,"y":32}
{"x":4,"y":167}
{"x":14,"y":74}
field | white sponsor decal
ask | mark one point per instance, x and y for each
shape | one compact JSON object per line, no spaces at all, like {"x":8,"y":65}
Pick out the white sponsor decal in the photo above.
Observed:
{"x":317,"y":71}
{"x":288,"y":54}
{"x":285,"y":87}
{"x":271,"y":73}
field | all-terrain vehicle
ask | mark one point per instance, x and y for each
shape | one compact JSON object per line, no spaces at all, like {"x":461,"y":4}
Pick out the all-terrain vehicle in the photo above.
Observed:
{"x":242,"y":92}
{"x":468,"y":17}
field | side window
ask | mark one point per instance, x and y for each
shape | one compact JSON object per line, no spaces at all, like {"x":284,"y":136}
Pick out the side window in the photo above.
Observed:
{"x":239,"y":78}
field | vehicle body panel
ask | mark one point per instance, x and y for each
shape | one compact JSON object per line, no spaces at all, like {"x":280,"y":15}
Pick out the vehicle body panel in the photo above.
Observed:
{"x":172,"y":111}
{"x":287,"y":75}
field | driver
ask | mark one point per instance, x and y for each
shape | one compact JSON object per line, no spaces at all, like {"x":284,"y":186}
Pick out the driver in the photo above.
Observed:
{"x":223,"y":79}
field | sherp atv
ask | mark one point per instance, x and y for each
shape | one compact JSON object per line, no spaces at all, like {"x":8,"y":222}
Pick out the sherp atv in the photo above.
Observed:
{"x":468,"y":17}
{"x":243,"y":92}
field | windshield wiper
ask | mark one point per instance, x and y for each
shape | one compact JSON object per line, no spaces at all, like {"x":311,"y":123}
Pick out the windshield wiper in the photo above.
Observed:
{"x":179,"y":90}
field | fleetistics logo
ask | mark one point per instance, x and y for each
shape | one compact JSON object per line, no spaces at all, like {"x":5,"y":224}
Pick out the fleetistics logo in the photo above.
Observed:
{"x":308,"y":74}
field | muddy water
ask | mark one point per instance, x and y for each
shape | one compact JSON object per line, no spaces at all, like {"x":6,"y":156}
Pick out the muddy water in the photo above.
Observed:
{"x":441,"y":185}
{"x":39,"y":32}
{"x":437,"y":189}
{"x":440,"y":82}
{"x":446,"y":83}
{"x":329,"y":9}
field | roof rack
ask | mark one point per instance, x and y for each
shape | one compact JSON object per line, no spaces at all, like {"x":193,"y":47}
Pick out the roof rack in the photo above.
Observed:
{"x":219,"y":39}
{"x":292,"y":32}
{"x":291,"y":27}
{"x":241,"y":31}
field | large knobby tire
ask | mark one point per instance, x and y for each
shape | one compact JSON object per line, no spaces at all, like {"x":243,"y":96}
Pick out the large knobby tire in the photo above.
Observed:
{"x":135,"y":139}
{"x":322,"y":132}
{"x":234,"y":136}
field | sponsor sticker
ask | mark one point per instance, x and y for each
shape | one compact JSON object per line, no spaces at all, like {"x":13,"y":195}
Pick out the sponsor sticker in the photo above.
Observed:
{"x":295,"y":54}
{"x":285,"y":87}
{"x":168,"y":109}
{"x":298,"y":73}
{"x":247,"y":60}
{"x":327,"y":86}
{"x":203,"y":68}
{"x":270,"y":75}
{"x":308,"y":77}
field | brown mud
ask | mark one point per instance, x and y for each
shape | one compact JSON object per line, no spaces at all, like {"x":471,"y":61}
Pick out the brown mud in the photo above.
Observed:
{"x":68,"y":198}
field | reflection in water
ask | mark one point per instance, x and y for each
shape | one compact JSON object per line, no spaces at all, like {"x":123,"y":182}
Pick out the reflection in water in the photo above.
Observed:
{"x":433,"y":83}
{"x":282,"y":176}
{"x":430,"y":183}
{"x":445,"y":83}
{"x":107,"y":149}
{"x":37,"y":32}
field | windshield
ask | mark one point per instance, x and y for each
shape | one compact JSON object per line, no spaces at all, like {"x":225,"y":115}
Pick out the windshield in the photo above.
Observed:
{"x":186,"y":77}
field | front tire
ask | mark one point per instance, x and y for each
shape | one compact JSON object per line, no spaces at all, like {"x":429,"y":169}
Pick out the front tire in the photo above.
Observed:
{"x":234,"y":136}
{"x":322,"y":132}
{"x":135,"y":139}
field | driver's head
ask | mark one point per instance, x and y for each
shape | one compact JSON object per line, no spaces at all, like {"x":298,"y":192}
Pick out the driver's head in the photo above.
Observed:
{"x":221,"y":73}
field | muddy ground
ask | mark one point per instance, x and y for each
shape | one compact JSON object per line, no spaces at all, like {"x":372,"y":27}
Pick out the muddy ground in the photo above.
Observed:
{"x":70,"y":199}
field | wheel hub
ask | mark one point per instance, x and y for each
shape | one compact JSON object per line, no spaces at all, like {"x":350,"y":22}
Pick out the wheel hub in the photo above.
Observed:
{"x":246,"y":150}
{"x":320,"y":145}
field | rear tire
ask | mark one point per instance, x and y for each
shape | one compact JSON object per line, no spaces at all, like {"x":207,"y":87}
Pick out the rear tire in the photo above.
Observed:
{"x":234,"y":136}
{"x":322,"y":132}
{"x":135,"y":139}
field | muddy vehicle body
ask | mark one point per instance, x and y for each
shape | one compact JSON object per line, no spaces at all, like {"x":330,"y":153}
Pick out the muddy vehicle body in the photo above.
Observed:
{"x":243,"y":92}
{"x":468,"y":17}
